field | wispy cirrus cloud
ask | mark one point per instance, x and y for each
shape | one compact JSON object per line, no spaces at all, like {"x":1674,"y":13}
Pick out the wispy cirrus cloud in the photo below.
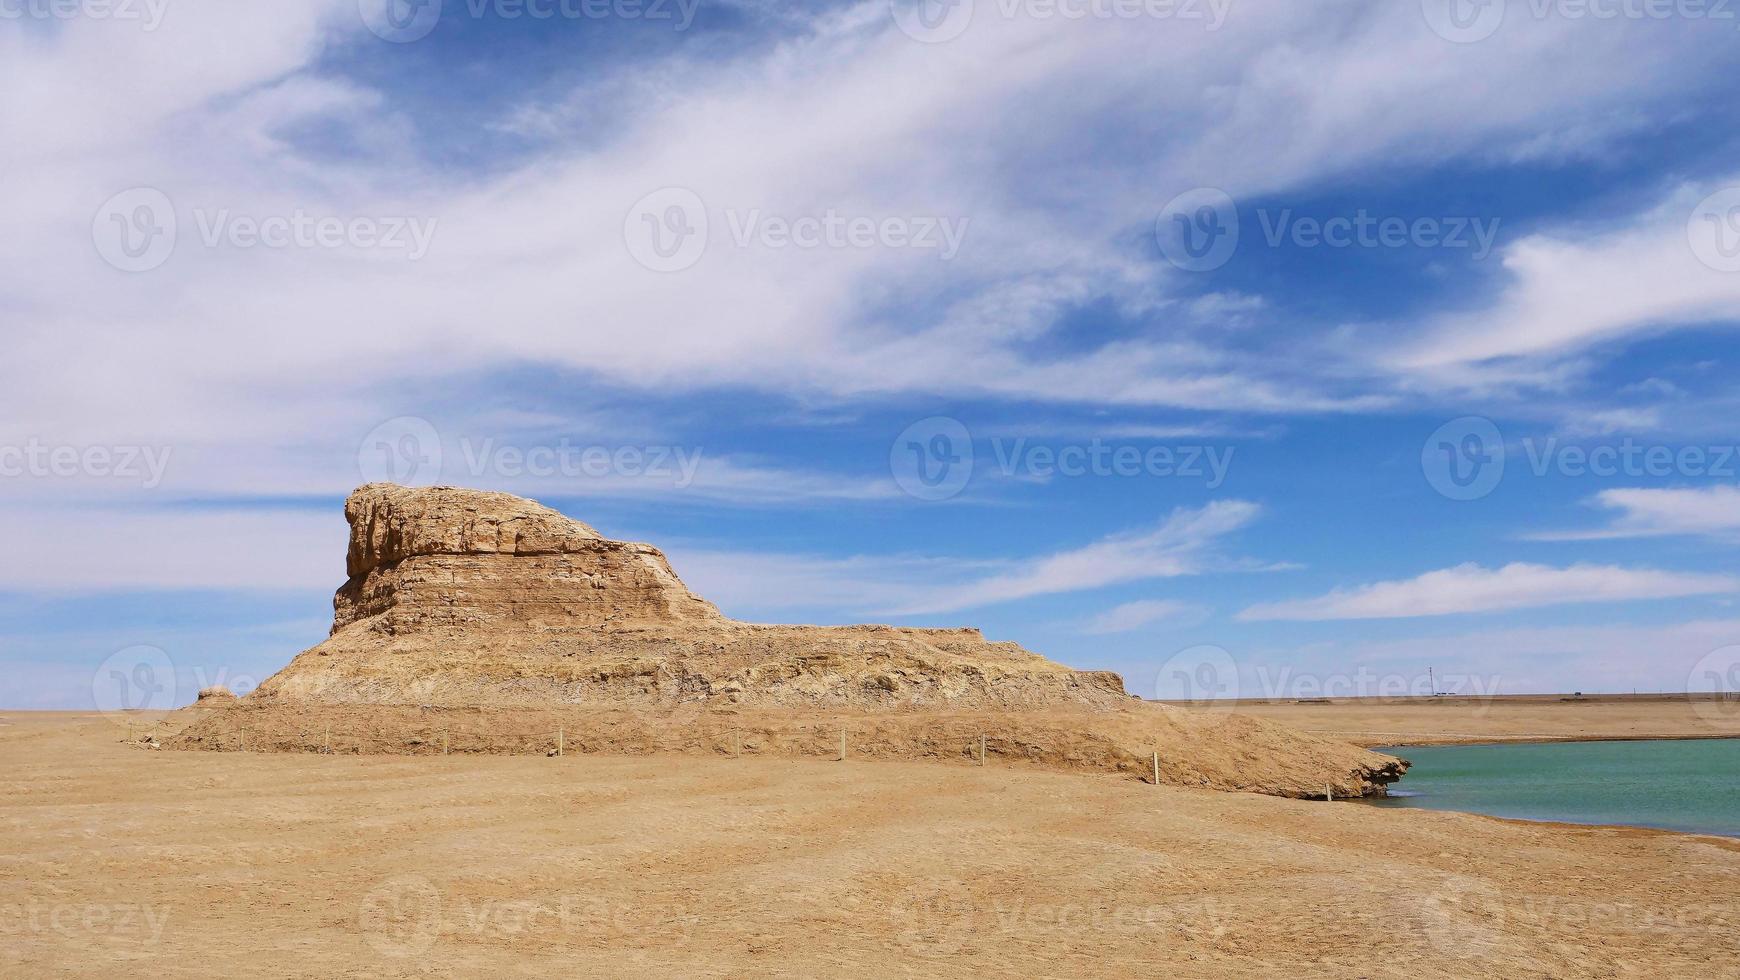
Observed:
{"x":1568,"y":290}
{"x":1299,"y":96}
{"x":1131,"y":616}
{"x":1182,"y":544}
{"x":1472,"y":588}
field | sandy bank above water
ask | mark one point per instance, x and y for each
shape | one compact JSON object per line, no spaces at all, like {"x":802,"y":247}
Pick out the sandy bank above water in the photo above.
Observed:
{"x":1377,"y":722}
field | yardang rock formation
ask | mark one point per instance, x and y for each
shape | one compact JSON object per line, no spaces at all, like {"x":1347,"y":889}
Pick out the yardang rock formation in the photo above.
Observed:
{"x":480,"y":622}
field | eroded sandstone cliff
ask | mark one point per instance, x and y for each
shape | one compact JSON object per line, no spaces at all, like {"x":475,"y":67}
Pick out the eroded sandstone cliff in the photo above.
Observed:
{"x":425,"y":559}
{"x":501,"y":620}
{"x":466,"y":598}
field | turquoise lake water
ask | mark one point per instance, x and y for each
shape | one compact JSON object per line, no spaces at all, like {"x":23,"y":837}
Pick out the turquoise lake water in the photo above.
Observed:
{"x":1689,"y":784}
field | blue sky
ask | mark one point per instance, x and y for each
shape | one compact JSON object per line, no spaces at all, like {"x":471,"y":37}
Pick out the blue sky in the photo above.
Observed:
{"x":1384,"y":341}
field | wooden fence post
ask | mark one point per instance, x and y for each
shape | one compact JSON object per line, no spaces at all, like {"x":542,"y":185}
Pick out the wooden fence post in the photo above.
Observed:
{"x":842,"y":743}
{"x":328,"y":739}
{"x":1156,"y":768}
{"x":559,"y":740}
{"x":981,"y":749}
{"x":443,"y":741}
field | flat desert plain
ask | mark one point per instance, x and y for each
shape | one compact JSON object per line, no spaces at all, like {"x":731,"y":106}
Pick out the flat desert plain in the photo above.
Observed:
{"x":1514,"y":718}
{"x":122,"y":861}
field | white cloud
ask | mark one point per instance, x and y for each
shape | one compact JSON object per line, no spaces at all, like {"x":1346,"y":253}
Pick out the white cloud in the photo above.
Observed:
{"x":98,"y":85}
{"x":263,"y":368}
{"x":1604,"y":658}
{"x":1178,"y":546}
{"x":769,"y":585}
{"x":1132,"y":616}
{"x":93,"y":548}
{"x":1647,"y":513}
{"x":227,"y":350}
{"x":1607,"y":421}
{"x":96,"y":548}
{"x":906,"y":586}
{"x":673,"y":473}
{"x":1472,"y":588}
{"x":1570,"y":290}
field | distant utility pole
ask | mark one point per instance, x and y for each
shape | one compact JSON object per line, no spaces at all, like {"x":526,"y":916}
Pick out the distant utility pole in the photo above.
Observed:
{"x":1432,"y":681}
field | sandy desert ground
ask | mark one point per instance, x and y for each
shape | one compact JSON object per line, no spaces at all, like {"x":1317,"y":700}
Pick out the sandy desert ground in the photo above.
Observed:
{"x":1523,"y":718}
{"x":119,"y":861}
